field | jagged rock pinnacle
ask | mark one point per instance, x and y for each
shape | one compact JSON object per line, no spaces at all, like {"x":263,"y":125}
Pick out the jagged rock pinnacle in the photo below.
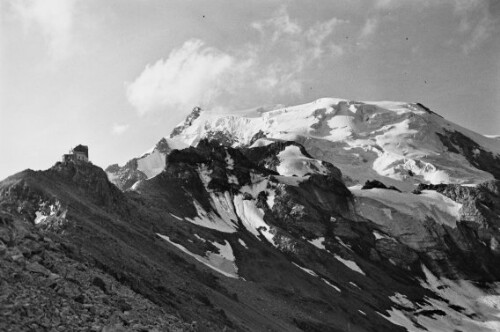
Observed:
{"x":195,"y":113}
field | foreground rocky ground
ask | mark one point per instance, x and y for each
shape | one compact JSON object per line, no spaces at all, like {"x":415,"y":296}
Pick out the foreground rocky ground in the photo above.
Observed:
{"x":44,"y":286}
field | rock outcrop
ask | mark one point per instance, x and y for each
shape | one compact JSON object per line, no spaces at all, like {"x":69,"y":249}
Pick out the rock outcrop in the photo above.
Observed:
{"x":46,"y":285}
{"x":138,"y":169}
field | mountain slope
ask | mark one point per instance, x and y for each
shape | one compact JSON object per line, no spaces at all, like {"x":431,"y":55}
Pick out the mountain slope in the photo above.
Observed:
{"x":262,"y":221}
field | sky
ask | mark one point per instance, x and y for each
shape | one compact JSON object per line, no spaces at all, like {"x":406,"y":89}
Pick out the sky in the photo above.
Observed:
{"x":118,"y":75}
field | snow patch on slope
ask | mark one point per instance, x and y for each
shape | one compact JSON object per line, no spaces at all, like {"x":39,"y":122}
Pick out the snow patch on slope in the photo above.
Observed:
{"x":211,"y":220}
{"x":331,"y":285}
{"x":428,"y":204}
{"x":350,"y":264}
{"x":318,"y":243}
{"x":253,"y":218}
{"x":46,"y":212}
{"x":243,"y":243}
{"x":153,"y":161}
{"x":222,"y":262}
{"x":294,"y":163}
{"x":480,"y":308}
{"x":262,"y":142}
{"x":308,"y":271}
{"x":152,"y":164}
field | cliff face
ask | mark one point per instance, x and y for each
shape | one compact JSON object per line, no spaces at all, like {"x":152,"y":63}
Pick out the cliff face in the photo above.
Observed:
{"x":476,"y":155}
{"x":148,"y":165}
{"x":46,"y":195}
{"x":125,"y":177}
{"x":195,"y":113}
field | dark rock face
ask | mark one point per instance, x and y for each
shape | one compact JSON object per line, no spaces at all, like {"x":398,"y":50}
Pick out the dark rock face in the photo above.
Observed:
{"x":222,"y":137}
{"x":484,"y":160}
{"x":377,"y":184}
{"x":267,"y":156}
{"x":215,"y":155}
{"x":89,"y":179}
{"x":260,"y":134}
{"x":162,"y":146}
{"x":428,"y":110}
{"x":29,"y":191}
{"x":480,"y":204}
{"x":473,"y":244}
{"x":125,"y":177}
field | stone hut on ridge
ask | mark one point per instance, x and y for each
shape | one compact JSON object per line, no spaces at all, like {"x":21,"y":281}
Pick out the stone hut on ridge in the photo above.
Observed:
{"x":78,"y":153}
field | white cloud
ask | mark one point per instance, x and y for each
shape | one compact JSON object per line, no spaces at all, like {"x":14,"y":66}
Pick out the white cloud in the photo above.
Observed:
{"x":280,"y":24}
{"x":119,"y":129}
{"x":458,"y":5}
{"x":389,"y":4}
{"x":191,"y":75}
{"x":54,"y":18}
{"x":479,"y":34}
{"x":367,"y":31}
{"x":318,"y":34}
{"x":369,"y":28}
{"x":477,"y":24}
{"x":197,"y":74}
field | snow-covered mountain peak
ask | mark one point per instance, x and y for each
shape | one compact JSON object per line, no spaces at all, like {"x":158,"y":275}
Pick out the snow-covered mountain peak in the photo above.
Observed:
{"x":399,"y":143}
{"x":326,"y":118}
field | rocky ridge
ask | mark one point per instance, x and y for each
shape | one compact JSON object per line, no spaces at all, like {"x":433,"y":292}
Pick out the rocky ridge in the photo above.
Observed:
{"x":46,"y":286}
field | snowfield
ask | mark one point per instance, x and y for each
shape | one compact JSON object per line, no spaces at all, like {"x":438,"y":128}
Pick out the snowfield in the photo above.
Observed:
{"x":222,"y":262}
{"x":428,"y":204}
{"x":480,"y":308}
{"x":395,"y":142}
{"x":294,"y":163}
{"x":212,"y":220}
{"x":152,"y":164}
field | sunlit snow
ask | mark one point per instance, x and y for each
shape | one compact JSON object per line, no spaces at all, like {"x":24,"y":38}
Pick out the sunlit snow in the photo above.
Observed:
{"x":222,"y":262}
{"x":394,"y":142}
{"x":318,"y":243}
{"x":308,"y":271}
{"x":350,"y":264}
{"x":480,"y":313}
{"x":427,"y":204}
